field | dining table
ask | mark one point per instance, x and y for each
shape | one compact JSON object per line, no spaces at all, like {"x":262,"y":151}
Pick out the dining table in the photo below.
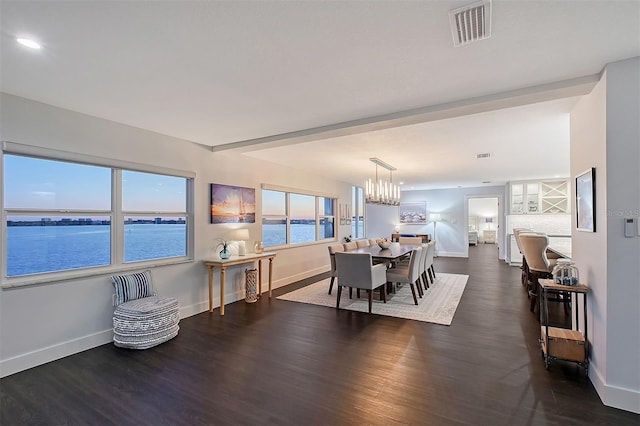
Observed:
{"x":394,"y":253}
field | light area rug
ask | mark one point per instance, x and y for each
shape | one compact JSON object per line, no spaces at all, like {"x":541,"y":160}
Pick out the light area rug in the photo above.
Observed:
{"x":438,"y":305}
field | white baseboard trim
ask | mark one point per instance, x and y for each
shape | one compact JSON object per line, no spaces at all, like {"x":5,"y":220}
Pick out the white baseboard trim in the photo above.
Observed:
{"x":614,"y":396}
{"x":451,"y":254}
{"x":51,"y":353}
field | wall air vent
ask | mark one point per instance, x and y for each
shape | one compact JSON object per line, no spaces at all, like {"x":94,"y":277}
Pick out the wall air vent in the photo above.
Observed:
{"x":483,"y":155}
{"x":470,"y":23}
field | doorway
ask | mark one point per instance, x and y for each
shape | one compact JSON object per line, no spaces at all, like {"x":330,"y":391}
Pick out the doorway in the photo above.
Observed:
{"x":484,"y":221}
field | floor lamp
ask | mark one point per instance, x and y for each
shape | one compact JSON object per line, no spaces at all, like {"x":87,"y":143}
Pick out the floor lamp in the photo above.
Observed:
{"x":435,"y":217}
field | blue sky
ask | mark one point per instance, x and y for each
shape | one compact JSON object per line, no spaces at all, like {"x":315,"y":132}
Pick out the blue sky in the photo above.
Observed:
{"x":32,"y":183}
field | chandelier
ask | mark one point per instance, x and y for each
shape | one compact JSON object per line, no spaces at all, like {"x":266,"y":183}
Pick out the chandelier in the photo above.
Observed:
{"x":380,"y":191}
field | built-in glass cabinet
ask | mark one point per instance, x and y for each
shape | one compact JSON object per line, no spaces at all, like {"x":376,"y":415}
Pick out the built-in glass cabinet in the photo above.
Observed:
{"x":546,"y":197}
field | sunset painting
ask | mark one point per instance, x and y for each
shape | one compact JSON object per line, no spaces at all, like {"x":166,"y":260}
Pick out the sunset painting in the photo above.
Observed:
{"x":232,"y":204}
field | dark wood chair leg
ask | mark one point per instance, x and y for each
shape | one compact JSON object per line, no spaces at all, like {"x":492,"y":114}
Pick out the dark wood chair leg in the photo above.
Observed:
{"x":331,"y":284}
{"x":419,"y":288}
{"x":413,"y":291}
{"x":339,"y":289}
{"x":370,"y":299}
{"x":383,"y":293}
{"x":430,"y":275}
{"x":350,"y":292}
{"x":433,"y":271}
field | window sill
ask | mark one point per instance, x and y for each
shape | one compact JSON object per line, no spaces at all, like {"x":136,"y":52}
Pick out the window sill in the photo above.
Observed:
{"x":50,"y":278}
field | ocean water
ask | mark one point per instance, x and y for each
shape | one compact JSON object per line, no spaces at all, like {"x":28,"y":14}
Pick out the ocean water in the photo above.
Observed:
{"x":36,"y":249}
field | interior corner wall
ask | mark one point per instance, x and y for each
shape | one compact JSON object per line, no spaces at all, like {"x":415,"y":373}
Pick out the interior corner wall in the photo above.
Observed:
{"x":605,"y":134}
{"x":82,"y":307}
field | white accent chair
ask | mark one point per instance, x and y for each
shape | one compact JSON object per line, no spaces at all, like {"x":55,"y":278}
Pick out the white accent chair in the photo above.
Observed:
{"x":356,"y":271}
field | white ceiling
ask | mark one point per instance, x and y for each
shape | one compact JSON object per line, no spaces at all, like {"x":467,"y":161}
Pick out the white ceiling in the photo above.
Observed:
{"x":219,"y":72}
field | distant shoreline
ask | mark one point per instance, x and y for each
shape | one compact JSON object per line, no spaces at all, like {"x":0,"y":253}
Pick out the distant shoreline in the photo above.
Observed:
{"x":89,"y":222}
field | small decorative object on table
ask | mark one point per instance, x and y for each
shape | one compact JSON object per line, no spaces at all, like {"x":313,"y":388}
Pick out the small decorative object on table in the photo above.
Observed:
{"x":225,"y":253}
{"x":347,"y":239}
{"x":258,"y":247}
{"x":565,"y":273}
{"x":383,"y":243}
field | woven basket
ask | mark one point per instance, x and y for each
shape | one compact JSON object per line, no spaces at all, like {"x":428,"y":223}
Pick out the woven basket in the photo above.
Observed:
{"x":251,"y":285}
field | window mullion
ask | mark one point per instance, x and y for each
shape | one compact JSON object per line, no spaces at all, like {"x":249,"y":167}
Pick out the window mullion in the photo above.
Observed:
{"x":117,"y":222}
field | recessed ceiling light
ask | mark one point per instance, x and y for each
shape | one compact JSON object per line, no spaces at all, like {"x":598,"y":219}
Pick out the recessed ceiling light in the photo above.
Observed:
{"x":401,"y":183}
{"x":29,"y":43}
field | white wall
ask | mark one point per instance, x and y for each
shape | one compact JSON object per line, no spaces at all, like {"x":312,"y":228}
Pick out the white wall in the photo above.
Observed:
{"x":605,"y":131}
{"x":45,"y":322}
{"x":380,"y":220}
{"x":452,"y":232}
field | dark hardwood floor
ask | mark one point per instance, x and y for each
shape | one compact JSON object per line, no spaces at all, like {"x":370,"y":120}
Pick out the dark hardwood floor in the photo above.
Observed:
{"x":286,"y":363}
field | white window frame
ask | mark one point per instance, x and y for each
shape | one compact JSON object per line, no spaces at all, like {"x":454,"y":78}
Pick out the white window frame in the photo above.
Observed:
{"x":287,"y":216}
{"x":116,"y":215}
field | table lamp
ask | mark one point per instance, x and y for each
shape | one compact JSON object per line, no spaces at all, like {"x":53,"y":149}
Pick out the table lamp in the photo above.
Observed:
{"x":241,"y":235}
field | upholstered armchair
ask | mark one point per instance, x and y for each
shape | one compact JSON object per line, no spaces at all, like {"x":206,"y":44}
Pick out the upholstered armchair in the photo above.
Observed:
{"x":355,"y":270}
{"x":534,"y":248}
{"x":333,"y":249}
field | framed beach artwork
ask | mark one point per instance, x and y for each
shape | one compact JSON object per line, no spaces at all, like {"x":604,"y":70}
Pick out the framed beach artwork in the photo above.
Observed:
{"x":413,"y":213}
{"x":232,"y":204}
{"x":586,"y":200}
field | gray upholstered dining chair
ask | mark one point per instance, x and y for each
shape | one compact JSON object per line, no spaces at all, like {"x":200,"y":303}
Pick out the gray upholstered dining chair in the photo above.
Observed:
{"x":428,"y":262}
{"x":362,"y":243}
{"x":409,"y":274}
{"x":332,"y":251}
{"x":351,"y":245}
{"x":355,"y":270}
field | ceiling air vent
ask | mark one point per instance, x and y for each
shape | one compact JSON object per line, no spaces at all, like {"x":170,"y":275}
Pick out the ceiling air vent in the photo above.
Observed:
{"x":484,"y":155}
{"x":471,"y":23}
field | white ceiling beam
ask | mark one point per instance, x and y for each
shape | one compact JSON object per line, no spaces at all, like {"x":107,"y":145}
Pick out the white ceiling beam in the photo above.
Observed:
{"x":562,"y":89}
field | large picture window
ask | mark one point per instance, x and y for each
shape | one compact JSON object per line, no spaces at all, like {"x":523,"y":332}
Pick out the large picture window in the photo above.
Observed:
{"x":63,"y":216}
{"x":290,"y":218}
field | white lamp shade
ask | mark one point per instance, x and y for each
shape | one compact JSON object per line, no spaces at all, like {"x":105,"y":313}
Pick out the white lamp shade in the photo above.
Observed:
{"x":435,"y":217}
{"x":241,"y":234}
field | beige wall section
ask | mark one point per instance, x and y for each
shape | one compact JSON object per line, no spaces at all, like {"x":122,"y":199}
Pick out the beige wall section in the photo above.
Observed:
{"x":77,"y":313}
{"x":605,"y":133}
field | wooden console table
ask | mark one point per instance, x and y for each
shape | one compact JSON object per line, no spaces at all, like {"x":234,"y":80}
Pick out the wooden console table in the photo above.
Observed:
{"x":237,"y":260}
{"x":395,"y":237}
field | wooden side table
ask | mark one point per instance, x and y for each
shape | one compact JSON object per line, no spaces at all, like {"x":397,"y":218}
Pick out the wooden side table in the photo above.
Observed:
{"x":237,"y":260}
{"x":563,"y":343}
